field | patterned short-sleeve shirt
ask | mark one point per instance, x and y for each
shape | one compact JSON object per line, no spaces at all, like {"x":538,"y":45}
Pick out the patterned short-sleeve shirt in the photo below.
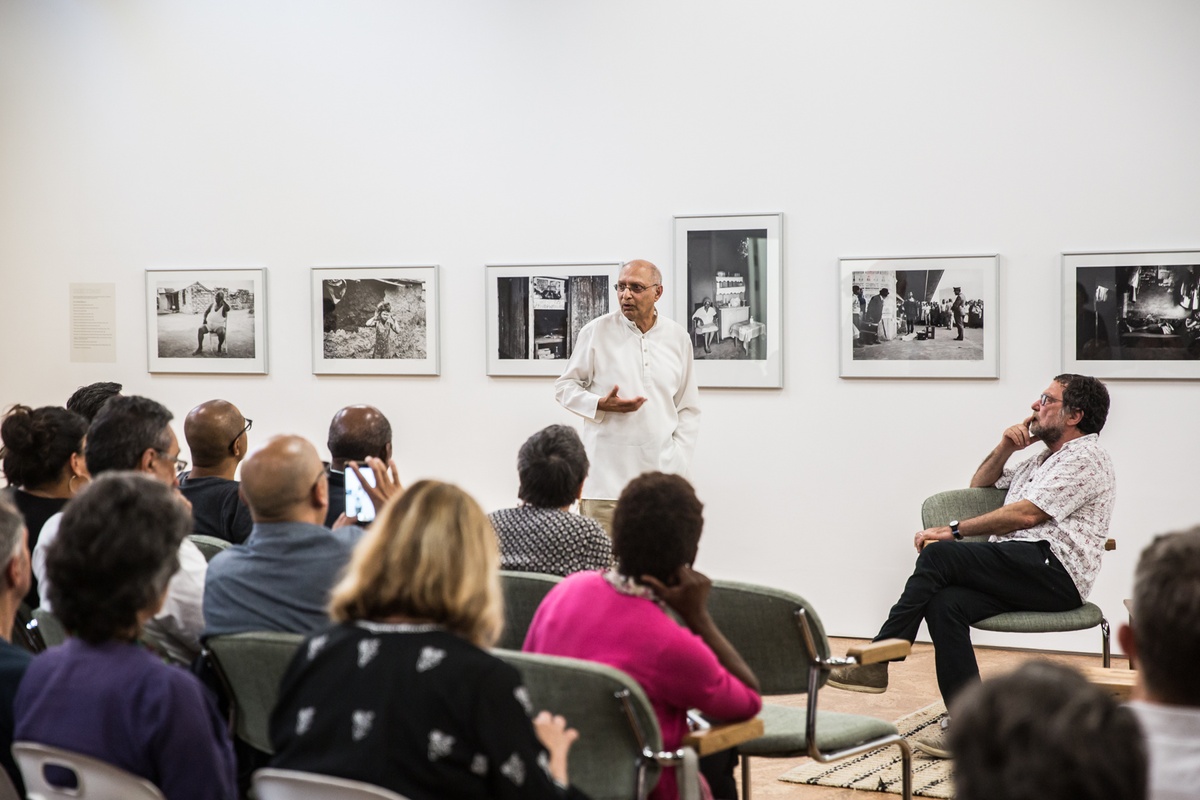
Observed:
{"x":550,"y":541}
{"x":1076,"y":486}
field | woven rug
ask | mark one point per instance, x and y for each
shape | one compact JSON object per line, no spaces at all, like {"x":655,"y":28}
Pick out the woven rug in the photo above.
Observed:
{"x":880,"y":770}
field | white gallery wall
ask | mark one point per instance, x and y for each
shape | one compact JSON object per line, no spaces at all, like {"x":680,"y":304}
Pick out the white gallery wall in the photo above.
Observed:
{"x":294,"y":134}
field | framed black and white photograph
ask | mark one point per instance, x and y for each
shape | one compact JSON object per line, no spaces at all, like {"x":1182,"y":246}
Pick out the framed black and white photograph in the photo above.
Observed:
{"x":207,"y":320}
{"x":1132,"y":314}
{"x":375,"y":320}
{"x":535,"y":313}
{"x":729,"y":295}
{"x":919,"y":317}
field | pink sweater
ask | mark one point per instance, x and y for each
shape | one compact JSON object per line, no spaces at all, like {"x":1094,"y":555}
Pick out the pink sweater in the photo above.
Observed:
{"x":584,"y":617}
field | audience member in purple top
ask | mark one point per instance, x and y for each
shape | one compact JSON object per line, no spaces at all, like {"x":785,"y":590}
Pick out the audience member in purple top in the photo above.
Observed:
{"x":620,"y":618}
{"x":103,"y":694}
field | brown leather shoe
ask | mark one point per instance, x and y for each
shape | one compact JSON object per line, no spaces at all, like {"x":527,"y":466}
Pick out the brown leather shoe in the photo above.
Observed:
{"x":869,"y":678}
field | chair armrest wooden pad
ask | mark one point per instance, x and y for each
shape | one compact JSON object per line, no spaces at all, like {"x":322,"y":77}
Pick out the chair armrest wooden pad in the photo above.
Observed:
{"x":1110,"y":544}
{"x":884,"y":650}
{"x":723,"y":736}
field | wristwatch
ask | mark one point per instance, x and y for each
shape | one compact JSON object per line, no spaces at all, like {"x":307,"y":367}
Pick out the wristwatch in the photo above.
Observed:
{"x":954,"y":530}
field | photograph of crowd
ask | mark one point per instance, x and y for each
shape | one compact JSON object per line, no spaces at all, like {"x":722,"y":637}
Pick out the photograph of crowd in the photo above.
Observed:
{"x":1137,"y":313}
{"x":931,"y":315}
{"x":920,"y":317}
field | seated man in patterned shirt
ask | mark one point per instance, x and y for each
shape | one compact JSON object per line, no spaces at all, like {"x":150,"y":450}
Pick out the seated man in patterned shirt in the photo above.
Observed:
{"x":1044,"y":548}
{"x":541,"y":535}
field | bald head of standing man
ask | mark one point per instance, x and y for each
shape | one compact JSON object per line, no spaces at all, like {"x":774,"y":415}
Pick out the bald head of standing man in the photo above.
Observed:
{"x":280,"y":578}
{"x":216,"y":433}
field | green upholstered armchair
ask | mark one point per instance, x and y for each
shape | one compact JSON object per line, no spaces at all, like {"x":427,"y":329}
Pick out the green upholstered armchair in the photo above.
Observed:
{"x":620,"y":750}
{"x":960,"y":504}
{"x":781,"y":638}
{"x":250,"y":667}
{"x":523,"y":593}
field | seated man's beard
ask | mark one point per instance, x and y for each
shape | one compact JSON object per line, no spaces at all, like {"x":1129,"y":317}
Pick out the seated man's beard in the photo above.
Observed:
{"x":1048,"y":435}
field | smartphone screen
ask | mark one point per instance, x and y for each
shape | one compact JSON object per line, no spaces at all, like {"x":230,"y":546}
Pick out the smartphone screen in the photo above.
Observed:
{"x":358,"y":504}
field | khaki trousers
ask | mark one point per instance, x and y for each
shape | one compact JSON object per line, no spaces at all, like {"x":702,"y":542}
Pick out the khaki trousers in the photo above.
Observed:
{"x":599,"y":510}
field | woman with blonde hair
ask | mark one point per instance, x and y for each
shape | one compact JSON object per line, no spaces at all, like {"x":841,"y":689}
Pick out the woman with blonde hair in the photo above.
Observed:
{"x":401,"y":692}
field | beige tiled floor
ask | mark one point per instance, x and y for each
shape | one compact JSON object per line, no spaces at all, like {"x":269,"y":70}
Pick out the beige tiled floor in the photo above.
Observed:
{"x":912,"y":685}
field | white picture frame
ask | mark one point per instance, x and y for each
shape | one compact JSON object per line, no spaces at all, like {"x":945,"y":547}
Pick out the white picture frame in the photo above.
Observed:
{"x":1132,"y":314}
{"x":736,"y":261}
{"x":535,"y":311}
{"x":187,"y":331}
{"x":931,"y":349}
{"x":375,"y":320}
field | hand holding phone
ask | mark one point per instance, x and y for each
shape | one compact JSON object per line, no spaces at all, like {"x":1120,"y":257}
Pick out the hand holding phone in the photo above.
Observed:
{"x":358,"y":502}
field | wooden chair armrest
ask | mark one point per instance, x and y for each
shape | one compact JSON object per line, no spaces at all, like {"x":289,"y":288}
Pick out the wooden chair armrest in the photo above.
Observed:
{"x":1110,"y":544}
{"x":885,"y":650}
{"x":723,"y":736}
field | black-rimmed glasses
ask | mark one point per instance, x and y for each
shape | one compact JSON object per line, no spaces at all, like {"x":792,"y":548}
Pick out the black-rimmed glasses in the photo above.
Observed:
{"x":249,"y":425}
{"x":180,"y":464}
{"x":1045,"y":400}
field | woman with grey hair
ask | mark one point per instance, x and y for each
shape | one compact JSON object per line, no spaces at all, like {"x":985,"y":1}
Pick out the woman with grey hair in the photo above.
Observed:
{"x":541,"y":534}
{"x":103,"y":694}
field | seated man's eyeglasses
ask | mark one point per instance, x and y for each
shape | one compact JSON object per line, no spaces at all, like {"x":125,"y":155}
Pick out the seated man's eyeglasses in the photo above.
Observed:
{"x":1045,"y":400}
{"x":635,"y":288}
{"x":249,"y":425}
{"x":180,"y":464}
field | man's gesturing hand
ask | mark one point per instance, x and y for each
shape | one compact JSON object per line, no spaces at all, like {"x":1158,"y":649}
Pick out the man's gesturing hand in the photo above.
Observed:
{"x":610,"y":402}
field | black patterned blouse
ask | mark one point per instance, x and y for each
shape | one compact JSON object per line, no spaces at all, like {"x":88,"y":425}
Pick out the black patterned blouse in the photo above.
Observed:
{"x":548,"y":540}
{"x":414,"y":709}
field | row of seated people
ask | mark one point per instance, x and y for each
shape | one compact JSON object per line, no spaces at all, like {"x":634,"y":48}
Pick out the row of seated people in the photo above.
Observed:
{"x":419,"y":597}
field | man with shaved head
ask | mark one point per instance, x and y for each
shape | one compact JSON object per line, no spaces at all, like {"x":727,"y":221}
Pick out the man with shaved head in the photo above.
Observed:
{"x":355,"y":433}
{"x":216,"y":435}
{"x":631,"y":379}
{"x":279,"y":579}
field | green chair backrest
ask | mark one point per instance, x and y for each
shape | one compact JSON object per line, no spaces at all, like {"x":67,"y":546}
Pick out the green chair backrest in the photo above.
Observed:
{"x":252,"y":665}
{"x":605,"y":761}
{"x":960,"y":504}
{"x":761,"y":624}
{"x":523,"y":593}
{"x":51,"y":629}
{"x":208,"y":545}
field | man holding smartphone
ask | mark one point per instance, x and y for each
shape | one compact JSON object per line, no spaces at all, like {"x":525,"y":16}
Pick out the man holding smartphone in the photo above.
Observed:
{"x":1044,"y":547}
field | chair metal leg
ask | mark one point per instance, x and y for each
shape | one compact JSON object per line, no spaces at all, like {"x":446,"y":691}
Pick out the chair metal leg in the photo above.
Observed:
{"x":1106,"y":647}
{"x":745,"y":776}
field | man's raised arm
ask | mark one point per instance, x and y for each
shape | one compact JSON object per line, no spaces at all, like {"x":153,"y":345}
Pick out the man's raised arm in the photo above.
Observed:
{"x":1014,"y":438}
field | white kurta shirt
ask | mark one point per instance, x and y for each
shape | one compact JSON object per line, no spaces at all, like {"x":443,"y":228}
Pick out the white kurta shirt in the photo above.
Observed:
{"x":661,"y":435}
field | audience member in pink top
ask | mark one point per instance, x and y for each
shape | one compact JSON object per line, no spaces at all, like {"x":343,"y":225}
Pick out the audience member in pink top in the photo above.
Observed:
{"x":619,"y":618}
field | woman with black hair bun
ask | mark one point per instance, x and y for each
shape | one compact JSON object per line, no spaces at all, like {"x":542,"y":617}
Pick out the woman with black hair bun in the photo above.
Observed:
{"x":43,"y":462}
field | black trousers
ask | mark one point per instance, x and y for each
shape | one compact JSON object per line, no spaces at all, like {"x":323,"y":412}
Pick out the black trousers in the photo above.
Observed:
{"x":957,"y":583}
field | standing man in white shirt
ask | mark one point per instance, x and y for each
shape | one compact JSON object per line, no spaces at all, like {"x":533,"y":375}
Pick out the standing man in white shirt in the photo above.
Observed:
{"x":631,"y":379}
